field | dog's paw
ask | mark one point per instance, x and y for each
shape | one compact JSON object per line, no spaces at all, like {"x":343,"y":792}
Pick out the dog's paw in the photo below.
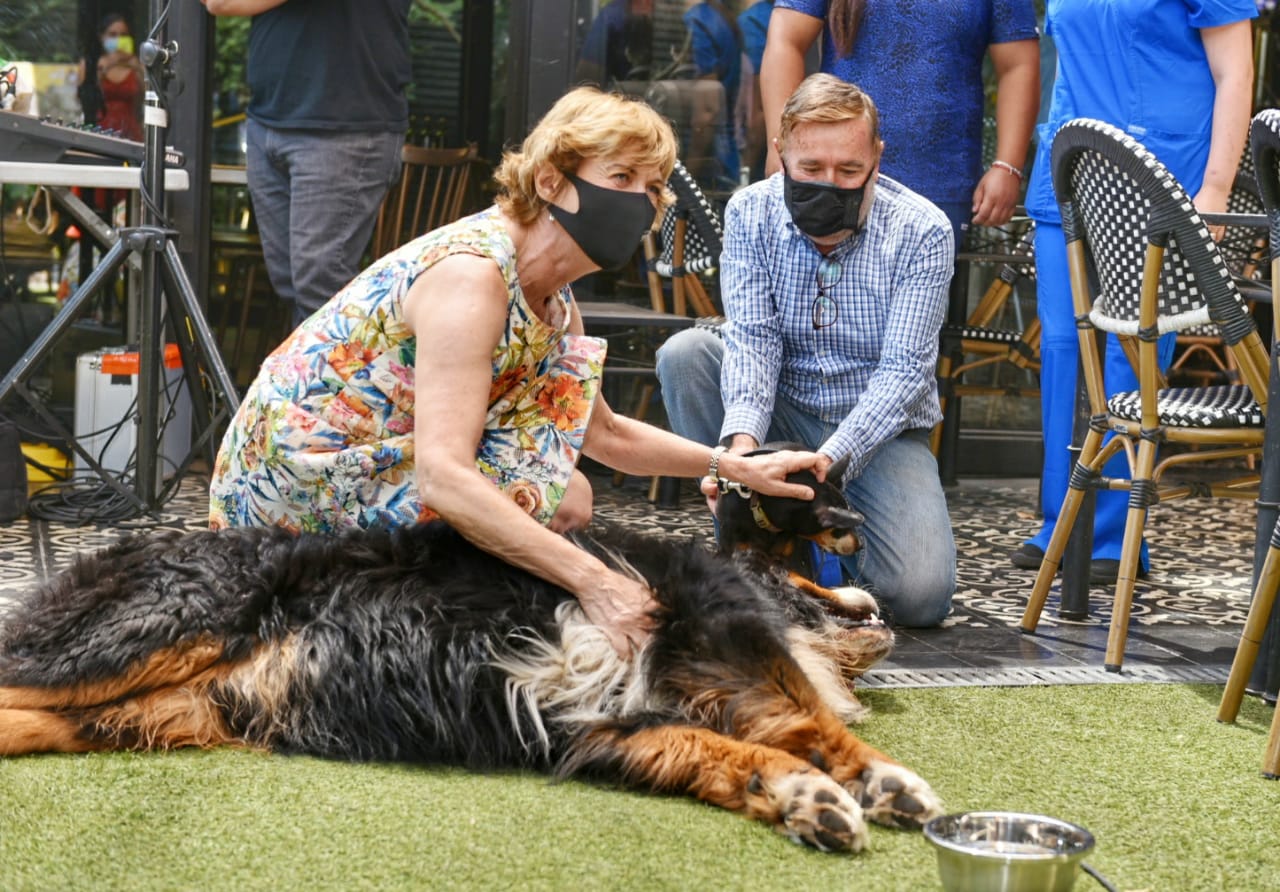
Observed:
{"x":812,"y":809}
{"x":895,"y":796}
{"x":857,"y":602}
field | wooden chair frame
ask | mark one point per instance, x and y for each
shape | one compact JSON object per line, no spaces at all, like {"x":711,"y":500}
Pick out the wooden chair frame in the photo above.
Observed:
{"x":1264,"y":142}
{"x":979,"y":337}
{"x":692,"y":239}
{"x":432,"y":191}
{"x":1123,"y":214}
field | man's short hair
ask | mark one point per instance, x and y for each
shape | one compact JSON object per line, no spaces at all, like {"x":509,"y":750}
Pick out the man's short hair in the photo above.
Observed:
{"x":826,"y":99}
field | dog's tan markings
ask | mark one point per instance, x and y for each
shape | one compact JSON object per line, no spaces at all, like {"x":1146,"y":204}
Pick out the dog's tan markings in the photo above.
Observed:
{"x":266,"y":676}
{"x":164,"y":667}
{"x":811,"y":588}
{"x":790,"y":714}
{"x":180,"y":710}
{"x":758,"y":781}
{"x":167,"y":718}
{"x":26,"y":731}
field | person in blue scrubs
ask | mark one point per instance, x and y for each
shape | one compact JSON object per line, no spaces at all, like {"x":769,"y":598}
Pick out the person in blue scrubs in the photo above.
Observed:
{"x":753,"y":22}
{"x":1177,"y":76}
{"x":716,"y":43}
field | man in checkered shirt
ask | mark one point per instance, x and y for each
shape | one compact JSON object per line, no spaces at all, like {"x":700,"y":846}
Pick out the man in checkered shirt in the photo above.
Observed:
{"x":834,"y":280}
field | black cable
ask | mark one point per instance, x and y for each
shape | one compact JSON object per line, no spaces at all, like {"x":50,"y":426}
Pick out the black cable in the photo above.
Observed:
{"x":81,"y":499}
{"x":1102,"y":881}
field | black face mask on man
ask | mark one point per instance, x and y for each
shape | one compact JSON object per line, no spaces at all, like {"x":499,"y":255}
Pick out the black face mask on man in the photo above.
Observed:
{"x":820,"y":209}
{"x":609,"y":223}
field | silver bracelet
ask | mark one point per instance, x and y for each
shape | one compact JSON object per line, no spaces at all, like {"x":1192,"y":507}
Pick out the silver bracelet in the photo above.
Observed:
{"x":713,"y":469}
{"x":1006,"y":166}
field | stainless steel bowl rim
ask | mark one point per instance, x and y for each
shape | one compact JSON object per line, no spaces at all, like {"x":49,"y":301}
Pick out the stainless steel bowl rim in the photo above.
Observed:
{"x":931,"y":833}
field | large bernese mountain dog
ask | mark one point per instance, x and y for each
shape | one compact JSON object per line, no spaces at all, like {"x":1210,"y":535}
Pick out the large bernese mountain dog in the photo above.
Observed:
{"x":413,"y":645}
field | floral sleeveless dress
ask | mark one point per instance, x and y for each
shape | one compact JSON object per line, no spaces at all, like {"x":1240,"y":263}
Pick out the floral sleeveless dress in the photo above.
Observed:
{"x":323,"y":440}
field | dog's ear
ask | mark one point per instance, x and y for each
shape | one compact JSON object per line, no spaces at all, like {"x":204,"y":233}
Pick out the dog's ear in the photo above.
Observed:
{"x":833,"y":518}
{"x":835,"y":473}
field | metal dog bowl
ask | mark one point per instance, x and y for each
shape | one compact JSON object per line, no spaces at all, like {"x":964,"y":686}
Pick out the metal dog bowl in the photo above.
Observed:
{"x":999,"y":851}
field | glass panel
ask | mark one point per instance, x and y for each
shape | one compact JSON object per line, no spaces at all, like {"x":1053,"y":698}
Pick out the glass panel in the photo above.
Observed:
{"x":689,"y":60}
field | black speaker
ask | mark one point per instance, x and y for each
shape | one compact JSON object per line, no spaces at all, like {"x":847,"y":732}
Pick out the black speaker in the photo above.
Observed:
{"x":13,"y":474}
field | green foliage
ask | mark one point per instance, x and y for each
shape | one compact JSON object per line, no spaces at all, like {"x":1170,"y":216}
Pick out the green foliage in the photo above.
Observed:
{"x":231,"y":50}
{"x":446,"y":14}
{"x":38,"y":30}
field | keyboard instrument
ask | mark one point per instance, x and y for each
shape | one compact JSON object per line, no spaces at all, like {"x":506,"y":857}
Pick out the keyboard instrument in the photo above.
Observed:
{"x":41,"y":140}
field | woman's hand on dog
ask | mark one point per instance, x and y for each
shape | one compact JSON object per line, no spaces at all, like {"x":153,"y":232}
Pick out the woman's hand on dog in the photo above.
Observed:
{"x":622,"y":607}
{"x":766,"y":473}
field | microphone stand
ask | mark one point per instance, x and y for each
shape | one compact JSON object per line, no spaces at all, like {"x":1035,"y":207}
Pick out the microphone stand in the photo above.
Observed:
{"x":165,"y":287}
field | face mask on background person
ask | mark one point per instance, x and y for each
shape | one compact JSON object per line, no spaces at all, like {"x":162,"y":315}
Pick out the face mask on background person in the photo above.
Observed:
{"x":123,"y":43}
{"x":821,"y":209}
{"x":609,"y":223}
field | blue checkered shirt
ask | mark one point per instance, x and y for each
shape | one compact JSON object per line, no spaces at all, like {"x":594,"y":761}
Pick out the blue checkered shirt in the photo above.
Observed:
{"x":872,"y":372}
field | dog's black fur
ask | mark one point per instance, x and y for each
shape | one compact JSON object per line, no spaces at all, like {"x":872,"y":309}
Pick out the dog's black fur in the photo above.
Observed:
{"x":414,"y":645}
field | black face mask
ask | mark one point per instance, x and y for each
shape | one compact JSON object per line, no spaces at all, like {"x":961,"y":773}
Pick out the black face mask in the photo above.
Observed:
{"x":823,"y":209}
{"x":608,"y":225}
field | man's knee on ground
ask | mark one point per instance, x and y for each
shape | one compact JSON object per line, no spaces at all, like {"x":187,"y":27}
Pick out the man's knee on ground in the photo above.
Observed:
{"x":921,"y":597}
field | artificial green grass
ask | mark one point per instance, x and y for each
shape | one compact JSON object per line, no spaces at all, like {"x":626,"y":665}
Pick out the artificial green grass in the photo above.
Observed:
{"x":1174,"y":798}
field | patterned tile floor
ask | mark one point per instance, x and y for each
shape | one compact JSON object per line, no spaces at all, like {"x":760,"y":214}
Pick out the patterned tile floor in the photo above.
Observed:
{"x":1186,"y":618}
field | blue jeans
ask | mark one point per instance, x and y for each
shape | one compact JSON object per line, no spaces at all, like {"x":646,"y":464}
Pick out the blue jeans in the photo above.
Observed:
{"x":908,"y":556}
{"x":316,"y":196}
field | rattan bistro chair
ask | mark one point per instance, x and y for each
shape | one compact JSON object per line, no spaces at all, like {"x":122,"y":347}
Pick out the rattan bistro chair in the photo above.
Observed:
{"x":691,"y":240}
{"x":1142,"y":264}
{"x":1264,"y":140}
{"x":982,"y":341}
{"x":1200,"y":351}
{"x":432,"y":191}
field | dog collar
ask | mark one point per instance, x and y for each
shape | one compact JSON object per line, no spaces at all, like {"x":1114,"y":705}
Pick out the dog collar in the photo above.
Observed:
{"x":757,"y":510}
{"x":762,"y":519}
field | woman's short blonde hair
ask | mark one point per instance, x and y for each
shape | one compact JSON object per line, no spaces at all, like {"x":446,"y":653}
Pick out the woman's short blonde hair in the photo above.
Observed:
{"x":826,"y":99}
{"x":584,"y":123}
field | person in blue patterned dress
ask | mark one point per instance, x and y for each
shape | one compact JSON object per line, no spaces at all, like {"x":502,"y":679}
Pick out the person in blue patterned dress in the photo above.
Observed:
{"x":923,"y":64}
{"x":834,"y":279}
{"x":452,"y":379}
{"x":1177,"y":76}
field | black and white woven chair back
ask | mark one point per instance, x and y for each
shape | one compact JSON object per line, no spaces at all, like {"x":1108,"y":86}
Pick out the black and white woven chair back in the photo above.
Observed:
{"x":1264,"y":144}
{"x":1239,"y":244}
{"x":703,"y":235}
{"x":1118,"y":197}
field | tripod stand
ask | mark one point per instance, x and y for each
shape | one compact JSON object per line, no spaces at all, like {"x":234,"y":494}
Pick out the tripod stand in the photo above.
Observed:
{"x":165,"y":291}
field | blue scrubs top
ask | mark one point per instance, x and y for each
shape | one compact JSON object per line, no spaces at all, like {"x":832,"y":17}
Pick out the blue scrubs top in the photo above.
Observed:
{"x":1141,"y":66}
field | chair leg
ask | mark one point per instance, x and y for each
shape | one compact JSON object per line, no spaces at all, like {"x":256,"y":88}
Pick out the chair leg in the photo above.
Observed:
{"x":702,"y":304}
{"x":639,"y":412}
{"x":678,"y":303}
{"x":657,"y":299}
{"x":1092,"y":457}
{"x":1255,"y":625}
{"x":1130,"y":554}
{"x":1271,"y":756}
{"x":944,"y":387}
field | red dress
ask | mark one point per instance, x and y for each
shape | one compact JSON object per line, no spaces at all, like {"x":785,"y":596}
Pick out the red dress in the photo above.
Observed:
{"x":120,"y":104}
